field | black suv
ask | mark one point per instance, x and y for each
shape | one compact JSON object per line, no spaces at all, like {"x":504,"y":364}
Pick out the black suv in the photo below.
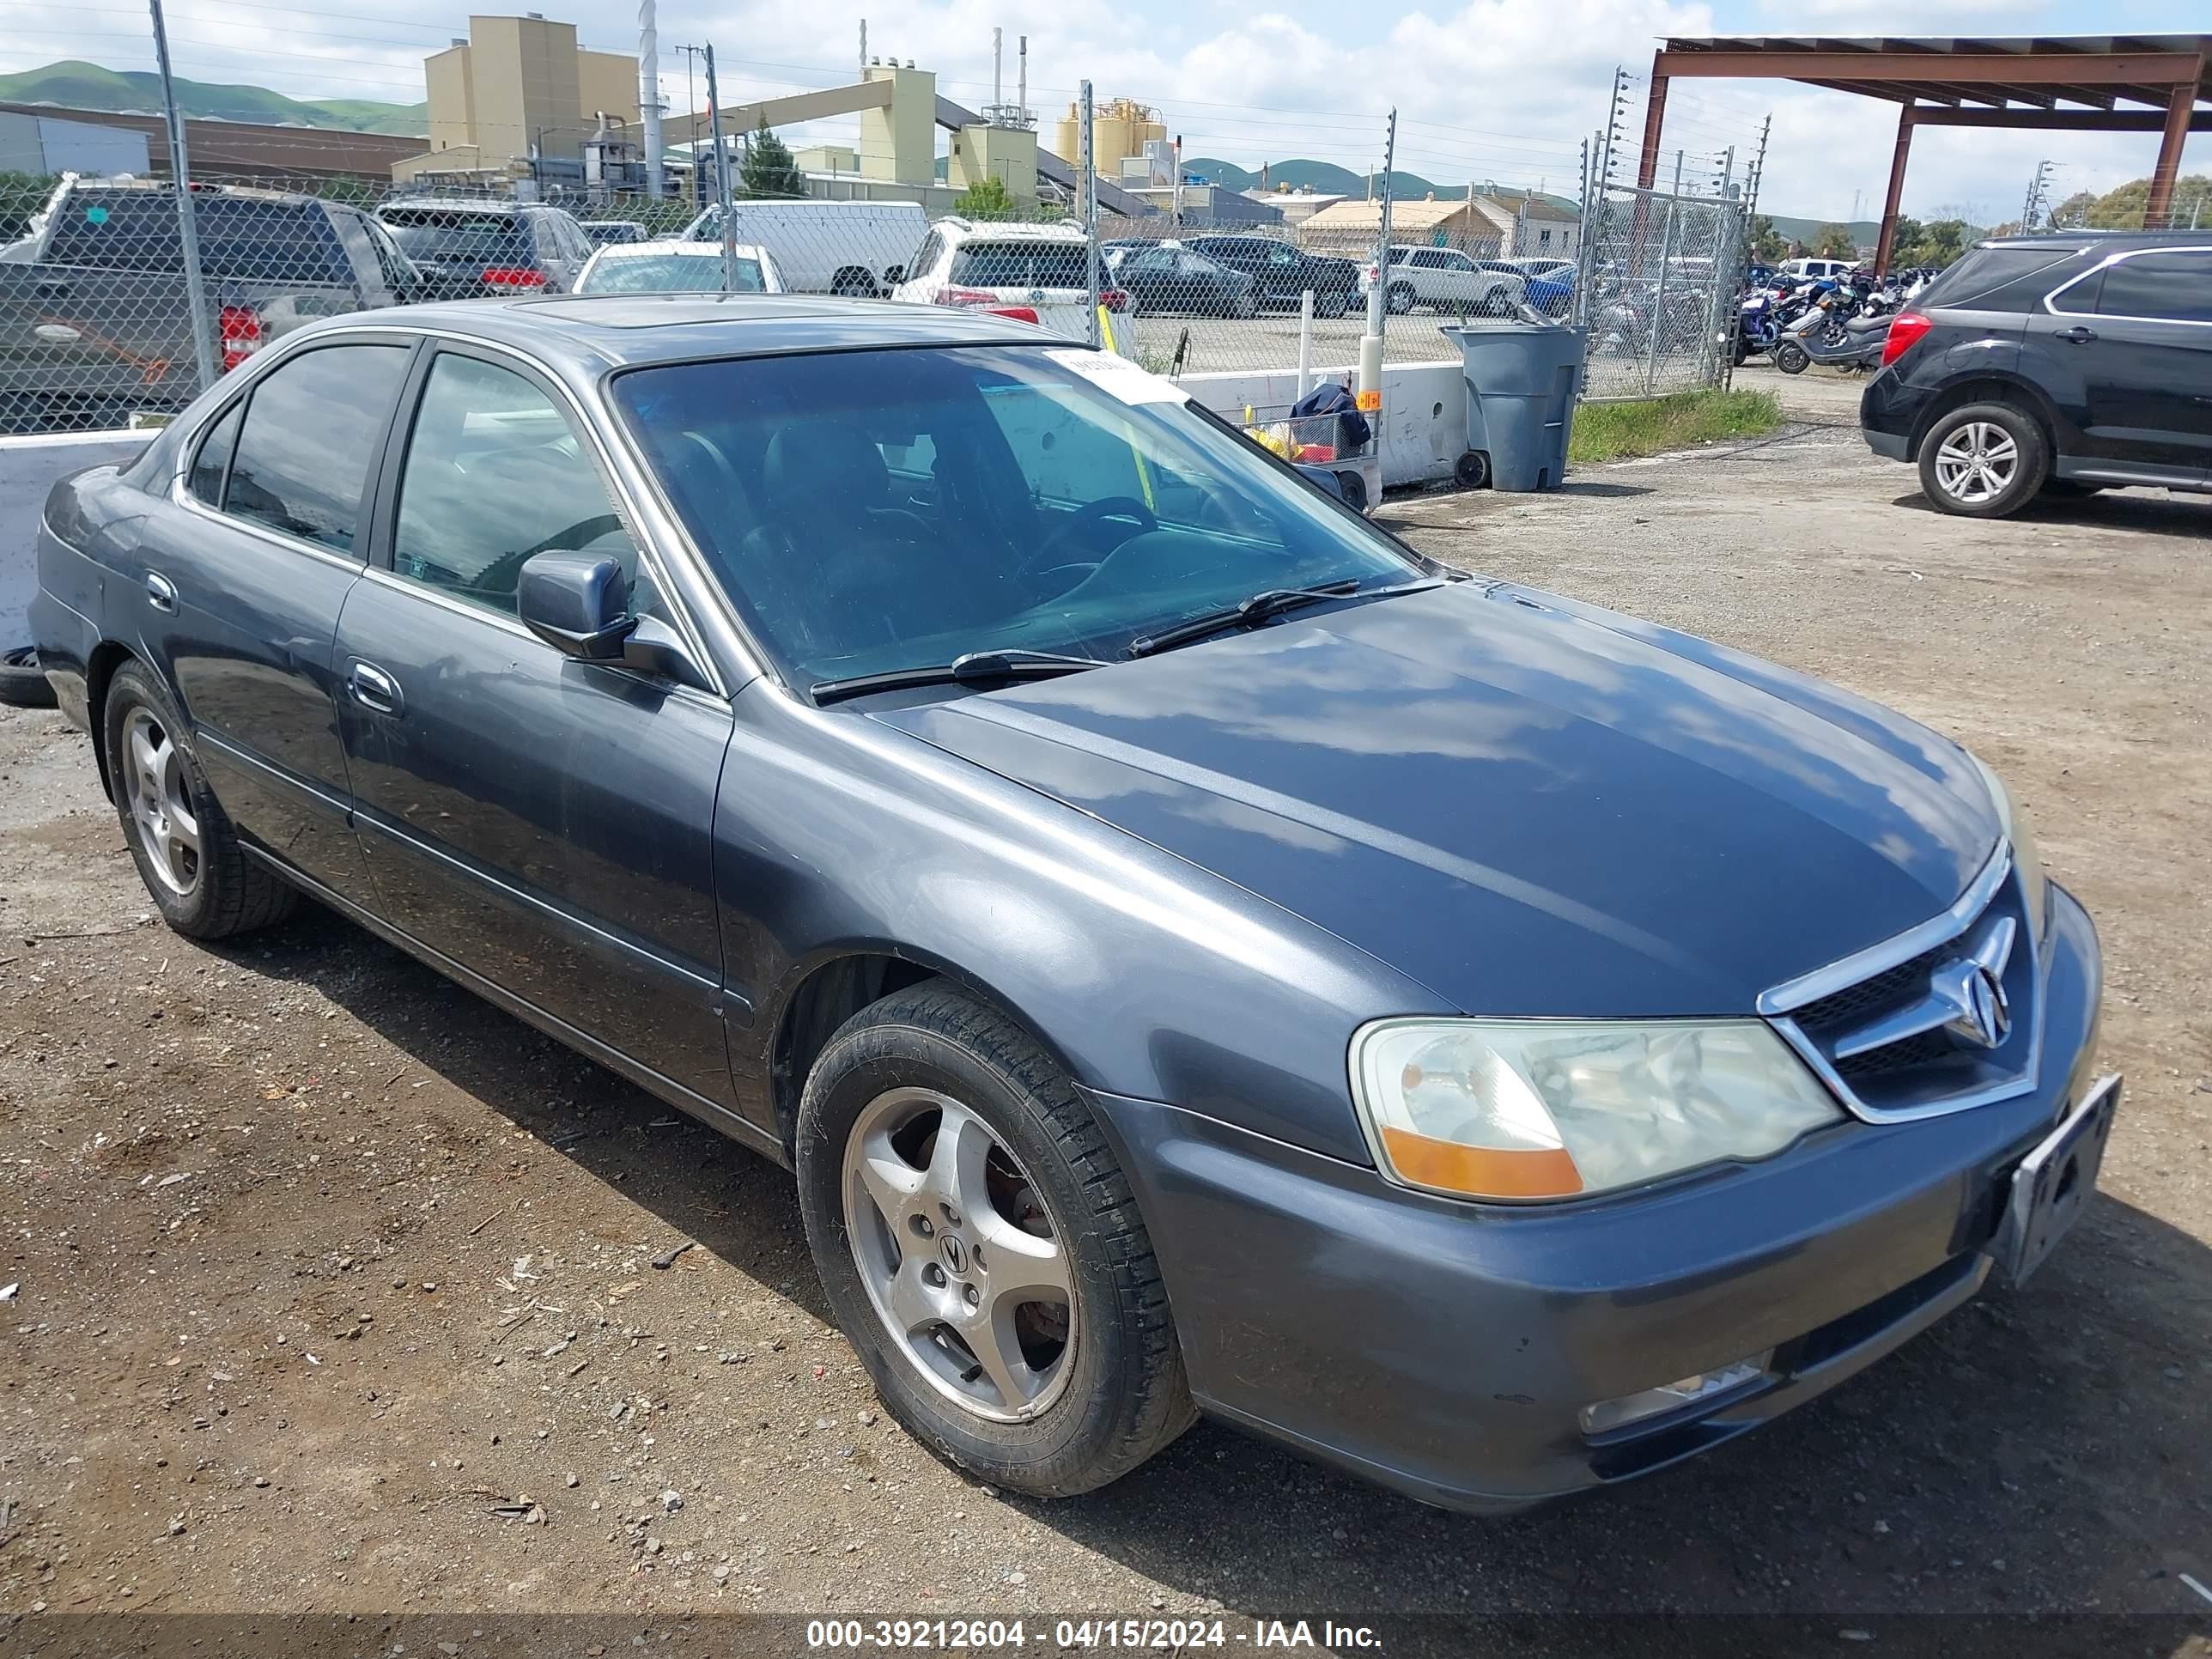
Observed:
{"x":1280,"y":272}
{"x":2055,"y":364}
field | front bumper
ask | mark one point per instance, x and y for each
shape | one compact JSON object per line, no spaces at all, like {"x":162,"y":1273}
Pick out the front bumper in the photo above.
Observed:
{"x":1446,"y":1350}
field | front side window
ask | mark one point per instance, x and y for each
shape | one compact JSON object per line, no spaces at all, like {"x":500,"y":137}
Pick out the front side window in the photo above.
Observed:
{"x":873,"y":510}
{"x":2171,"y":287}
{"x":311,"y":428}
{"x":494,"y":474}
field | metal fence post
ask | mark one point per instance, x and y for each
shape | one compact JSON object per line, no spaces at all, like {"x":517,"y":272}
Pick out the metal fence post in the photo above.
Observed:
{"x":1085,"y":143}
{"x":188,"y":228}
{"x":1659,"y":295}
{"x":1370,"y":343}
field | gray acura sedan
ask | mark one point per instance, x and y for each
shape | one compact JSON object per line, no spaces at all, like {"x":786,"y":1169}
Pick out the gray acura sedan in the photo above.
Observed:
{"x":1196,"y":954}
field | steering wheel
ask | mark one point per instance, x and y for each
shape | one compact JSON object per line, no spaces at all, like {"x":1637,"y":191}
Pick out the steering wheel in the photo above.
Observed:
{"x":1084,"y":517}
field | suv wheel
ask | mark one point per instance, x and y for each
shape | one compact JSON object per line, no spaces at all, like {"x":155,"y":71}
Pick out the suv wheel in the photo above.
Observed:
{"x":1332,"y":302}
{"x":982,"y":1248}
{"x":1983,"y":461}
{"x":1400,"y":298}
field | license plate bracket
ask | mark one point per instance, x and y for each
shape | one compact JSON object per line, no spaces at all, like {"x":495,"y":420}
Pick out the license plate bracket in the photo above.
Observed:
{"x":2050,"y":1186}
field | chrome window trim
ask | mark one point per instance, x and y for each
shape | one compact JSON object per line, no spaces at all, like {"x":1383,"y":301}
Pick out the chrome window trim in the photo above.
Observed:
{"x":1777,"y":1004}
{"x":2051,"y":299}
{"x":657,"y":530}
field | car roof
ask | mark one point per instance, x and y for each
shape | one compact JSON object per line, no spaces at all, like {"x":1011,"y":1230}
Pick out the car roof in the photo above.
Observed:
{"x":688,"y":249}
{"x":2108,"y":240}
{"x":998,"y":231}
{"x":447,"y":205}
{"x":582,"y":335}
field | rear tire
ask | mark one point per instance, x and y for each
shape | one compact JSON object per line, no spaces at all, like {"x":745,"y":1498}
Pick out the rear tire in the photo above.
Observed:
{"x":1471,"y":469}
{"x":195,"y":870}
{"x":1332,"y":304}
{"x":1791,"y":358}
{"x":1399,"y":299}
{"x":1096,"y":1390}
{"x":854,"y":285}
{"x":23,"y":683}
{"x":1983,"y":461}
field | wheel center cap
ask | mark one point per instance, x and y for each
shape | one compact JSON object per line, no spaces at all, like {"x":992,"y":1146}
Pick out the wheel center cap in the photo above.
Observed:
{"x":955,"y":1252}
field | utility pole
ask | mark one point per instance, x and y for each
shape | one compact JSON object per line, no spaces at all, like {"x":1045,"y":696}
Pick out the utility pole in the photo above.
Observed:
{"x":1370,"y":343}
{"x":722,"y":175}
{"x":188,"y":229}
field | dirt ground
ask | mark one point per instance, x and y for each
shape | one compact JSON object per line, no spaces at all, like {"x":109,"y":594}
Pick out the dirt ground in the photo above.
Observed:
{"x":338,"y":1289}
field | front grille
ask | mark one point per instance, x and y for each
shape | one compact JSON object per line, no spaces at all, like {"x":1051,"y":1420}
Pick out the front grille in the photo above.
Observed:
{"x":1901,"y":1040}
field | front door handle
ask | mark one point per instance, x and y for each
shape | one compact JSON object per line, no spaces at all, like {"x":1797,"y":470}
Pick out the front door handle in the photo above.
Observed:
{"x":374,"y":689}
{"x":2076,"y":335}
{"x":160,"y":592}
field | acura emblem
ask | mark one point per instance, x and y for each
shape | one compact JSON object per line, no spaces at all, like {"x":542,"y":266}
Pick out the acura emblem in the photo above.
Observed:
{"x":1974,"y":990}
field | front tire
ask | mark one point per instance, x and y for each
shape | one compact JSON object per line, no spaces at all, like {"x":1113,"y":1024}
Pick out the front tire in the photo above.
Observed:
{"x":982,"y":1249}
{"x":1333,"y":304}
{"x":195,"y":870}
{"x":1983,"y":461}
{"x":1791,"y":358}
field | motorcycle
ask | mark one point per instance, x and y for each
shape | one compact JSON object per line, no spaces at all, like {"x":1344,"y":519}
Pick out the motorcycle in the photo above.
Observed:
{"x":1823,"y":336}
{"x":1758,"y":326}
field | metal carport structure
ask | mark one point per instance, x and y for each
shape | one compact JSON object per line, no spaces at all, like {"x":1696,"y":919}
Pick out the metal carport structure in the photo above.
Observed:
{"x":2076,"y":83}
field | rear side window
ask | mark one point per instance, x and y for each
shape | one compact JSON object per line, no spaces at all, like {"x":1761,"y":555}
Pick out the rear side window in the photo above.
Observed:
{"x":212,"y":464}
{"x":2175,"y":287}
{"x":445,"y":237}
{"x":311,"y":427}
{"x":1982,"y":271}
{"x":1021,"y":264}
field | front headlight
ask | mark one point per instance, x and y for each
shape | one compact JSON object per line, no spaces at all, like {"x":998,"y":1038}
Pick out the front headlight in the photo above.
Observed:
{"x":1523,"y":1110}
{"x":2024,"y":858}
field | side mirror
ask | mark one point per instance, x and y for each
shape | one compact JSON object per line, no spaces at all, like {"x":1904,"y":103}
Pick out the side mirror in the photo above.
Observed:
{"x":577,"y":603}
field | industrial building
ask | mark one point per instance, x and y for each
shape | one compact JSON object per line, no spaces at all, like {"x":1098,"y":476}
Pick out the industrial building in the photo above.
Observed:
{"x":520,"y":94}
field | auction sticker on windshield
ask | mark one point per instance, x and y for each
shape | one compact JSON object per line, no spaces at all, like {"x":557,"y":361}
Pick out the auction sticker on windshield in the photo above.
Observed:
{"x":1118,"y":375}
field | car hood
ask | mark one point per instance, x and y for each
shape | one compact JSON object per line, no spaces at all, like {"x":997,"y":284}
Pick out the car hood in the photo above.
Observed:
{"x":1530,"y":806}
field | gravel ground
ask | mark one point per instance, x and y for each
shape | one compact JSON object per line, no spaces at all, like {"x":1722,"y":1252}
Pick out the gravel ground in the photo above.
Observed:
{"x":339,"y":1290}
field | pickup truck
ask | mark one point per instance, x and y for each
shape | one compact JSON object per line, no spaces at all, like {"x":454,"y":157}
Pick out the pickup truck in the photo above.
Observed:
{"x":94,"y":319}
{"x":1449,"y":281}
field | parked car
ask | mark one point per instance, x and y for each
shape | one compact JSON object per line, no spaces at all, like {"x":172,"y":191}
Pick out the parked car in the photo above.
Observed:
{"x":1197,"y":955}
{"x":95,"y":322}
{"x":1038,"y":273}
{"x":862,"y":250}
{"x":1171,"y":278}
{"x":2055,"y":364}
{"x":467,"y":248}
{"x":669,"y":267}
{"x":611,"y":233}
{"x":1447,"y":280}
{"x":1284,"y":272}
{"x":1548,"y":285}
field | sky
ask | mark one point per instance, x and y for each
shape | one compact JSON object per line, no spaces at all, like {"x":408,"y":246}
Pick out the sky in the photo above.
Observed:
{"x":1499,"y":91}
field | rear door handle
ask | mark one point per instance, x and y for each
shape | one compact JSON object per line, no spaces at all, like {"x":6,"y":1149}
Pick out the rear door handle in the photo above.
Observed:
{"x":2076,"y":335}
{"x":160,"y":592}
{"x":374,"y":689}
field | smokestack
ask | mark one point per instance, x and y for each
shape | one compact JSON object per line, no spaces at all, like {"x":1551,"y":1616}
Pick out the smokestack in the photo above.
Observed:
{"x":864,"y":48}
{"x":998,"y":76}
{"x":1021,"y":95}
{"x":648,"y":95}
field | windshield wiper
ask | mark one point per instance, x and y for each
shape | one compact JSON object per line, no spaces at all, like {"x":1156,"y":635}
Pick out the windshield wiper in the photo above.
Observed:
{"x":1269,"y":602}
{"x":969,"y":668}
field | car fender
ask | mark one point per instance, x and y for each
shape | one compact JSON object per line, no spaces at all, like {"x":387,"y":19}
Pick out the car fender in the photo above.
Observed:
{"x":1146,"y":976}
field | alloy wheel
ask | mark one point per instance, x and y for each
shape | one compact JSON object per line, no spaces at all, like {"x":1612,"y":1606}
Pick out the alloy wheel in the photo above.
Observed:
{"x":1976,"y":463}
{"x":160,"y":804}
{"x":962,"y":1260}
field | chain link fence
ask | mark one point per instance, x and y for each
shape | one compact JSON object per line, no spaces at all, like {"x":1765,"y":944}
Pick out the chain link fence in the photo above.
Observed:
{"x":1657,"y":289}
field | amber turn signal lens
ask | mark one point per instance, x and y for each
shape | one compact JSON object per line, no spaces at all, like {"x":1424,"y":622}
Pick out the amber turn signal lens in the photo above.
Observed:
{"x":1481,"y":1171}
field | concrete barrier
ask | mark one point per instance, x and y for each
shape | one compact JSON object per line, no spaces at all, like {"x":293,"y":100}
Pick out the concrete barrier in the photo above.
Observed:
{"x":29,"y":467}
{"x":1424,"y":411}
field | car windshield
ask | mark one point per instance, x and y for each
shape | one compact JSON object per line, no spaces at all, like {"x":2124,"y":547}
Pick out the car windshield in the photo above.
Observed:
{"x":869,"y":510}
{"x":444,"y":236}
{"x":669,"y":273}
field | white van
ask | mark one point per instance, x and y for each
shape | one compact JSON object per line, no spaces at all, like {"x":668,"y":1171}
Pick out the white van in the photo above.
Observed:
{"x":1816,"y":271}
{"x":854,"y":248}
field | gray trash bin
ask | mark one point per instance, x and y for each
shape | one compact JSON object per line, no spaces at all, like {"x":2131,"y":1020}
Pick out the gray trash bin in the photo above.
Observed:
{"x":1521,"y":382}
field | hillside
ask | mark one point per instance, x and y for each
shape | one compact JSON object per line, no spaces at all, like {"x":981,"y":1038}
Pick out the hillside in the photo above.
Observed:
{"x":87,"y":86}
